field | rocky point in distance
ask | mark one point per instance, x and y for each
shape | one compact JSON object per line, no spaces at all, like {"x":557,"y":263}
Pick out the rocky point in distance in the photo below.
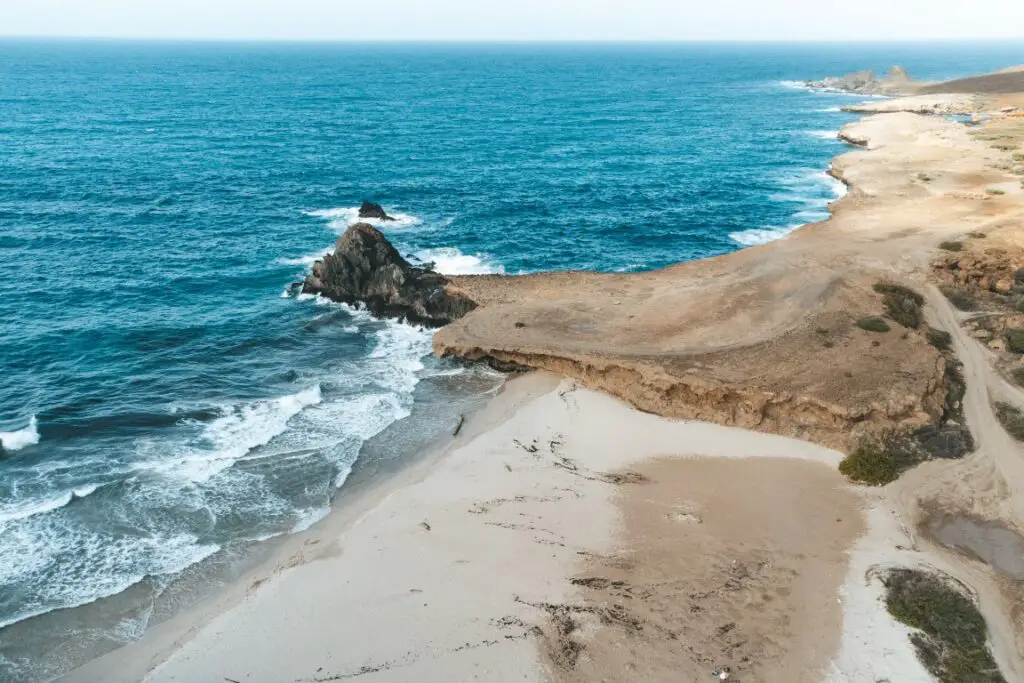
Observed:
{"x":896,"y":81}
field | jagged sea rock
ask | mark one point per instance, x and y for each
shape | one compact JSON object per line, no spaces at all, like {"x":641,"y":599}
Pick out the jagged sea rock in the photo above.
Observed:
{"x":376,"y":211}
{"x":366,"y":269}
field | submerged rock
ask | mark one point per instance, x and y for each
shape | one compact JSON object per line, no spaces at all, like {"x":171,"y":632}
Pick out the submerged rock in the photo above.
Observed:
{"x":366,"y":269}
{"x":371,"y":210}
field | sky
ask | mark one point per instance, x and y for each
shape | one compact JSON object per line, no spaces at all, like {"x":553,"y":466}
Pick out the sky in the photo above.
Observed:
{"x":487,"y":20}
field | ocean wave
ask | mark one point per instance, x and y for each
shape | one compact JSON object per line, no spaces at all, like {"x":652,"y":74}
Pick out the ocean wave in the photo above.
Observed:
{"x":24,"y":510}
{"x":36,"y":549}
{"x":340,"y":219}
{"x":14,"y":441}
{"x":451,"y":261}
{"x":228,"y":438}
{"x":810,"y":191}
{"x":755,"y":236}
{"x":824,"y":134}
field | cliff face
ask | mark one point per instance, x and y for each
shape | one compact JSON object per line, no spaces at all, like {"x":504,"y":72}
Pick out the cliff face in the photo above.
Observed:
{"x":798,"y":337}
{"x":818,"y":377}
{"x":366,"y":269}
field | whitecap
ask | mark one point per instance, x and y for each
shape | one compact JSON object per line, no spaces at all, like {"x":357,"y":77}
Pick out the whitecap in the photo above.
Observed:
{"x":755,"y":236}
{"x":340,"y":219}
{"x":126,"y":560}
{"x":24,"y":510}
{"x":451,"y":261}
{"x":29,"y":436}
{"x":824,"y":134}
{"x":227,"y":439}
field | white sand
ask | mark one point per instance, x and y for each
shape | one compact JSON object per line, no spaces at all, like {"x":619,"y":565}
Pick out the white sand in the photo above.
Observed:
{"x":385,"y":598}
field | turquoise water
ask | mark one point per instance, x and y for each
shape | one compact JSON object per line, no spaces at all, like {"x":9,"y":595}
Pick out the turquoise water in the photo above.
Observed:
{"x":163,"y":400}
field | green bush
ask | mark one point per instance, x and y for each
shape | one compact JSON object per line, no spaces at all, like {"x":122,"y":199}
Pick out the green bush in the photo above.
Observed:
{"x":1015,"y":339}
{"x":994,"y":191}
{"x":873,"y":323}
{"x":951,"y":245}
{"x":1018,"y":376}
{"x":1011,"y":418}
{"x":958,"y":297}
{"x":977,"y":235}
{"x":940,"y":339}
{"x":1018,"y":276}
{"x":902,"y":304}
{"x":877,"y":464}
{"x":951,"y":635}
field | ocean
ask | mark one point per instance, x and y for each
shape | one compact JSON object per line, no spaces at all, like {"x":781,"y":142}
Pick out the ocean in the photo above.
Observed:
{"x":167,"y":409}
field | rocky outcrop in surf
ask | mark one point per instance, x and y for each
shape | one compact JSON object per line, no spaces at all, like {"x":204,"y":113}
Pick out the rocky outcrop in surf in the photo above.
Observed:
{"x":365,"y":269}
{"x":896,"y":81}
{"x":374,"y":211}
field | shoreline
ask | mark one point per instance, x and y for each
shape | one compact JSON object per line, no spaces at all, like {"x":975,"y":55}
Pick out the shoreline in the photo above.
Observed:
{"x":542,"y":511}
{"x":130,"y":662}
{"x":512,"y":606}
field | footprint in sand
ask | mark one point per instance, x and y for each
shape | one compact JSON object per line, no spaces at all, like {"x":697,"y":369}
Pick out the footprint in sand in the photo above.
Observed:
{"x":686,"y":513}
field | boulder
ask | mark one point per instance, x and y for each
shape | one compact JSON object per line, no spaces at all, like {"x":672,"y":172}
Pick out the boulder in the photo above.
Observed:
{"x":365,"y":269}
{"x":376,"y":211}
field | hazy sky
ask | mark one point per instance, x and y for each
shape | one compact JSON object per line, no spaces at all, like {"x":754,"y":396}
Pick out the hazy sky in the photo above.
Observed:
{"x":517,"y":19}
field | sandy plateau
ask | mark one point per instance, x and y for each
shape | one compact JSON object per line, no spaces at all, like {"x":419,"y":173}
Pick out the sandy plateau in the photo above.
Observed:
{"x":663,"y":497}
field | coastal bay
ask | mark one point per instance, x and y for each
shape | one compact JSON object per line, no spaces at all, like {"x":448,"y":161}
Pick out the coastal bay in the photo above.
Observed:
{"x":565,"y":535}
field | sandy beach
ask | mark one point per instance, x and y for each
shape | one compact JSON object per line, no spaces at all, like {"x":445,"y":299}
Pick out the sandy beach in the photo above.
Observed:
{"x":563,"y":535}
{"x":661,"y":496}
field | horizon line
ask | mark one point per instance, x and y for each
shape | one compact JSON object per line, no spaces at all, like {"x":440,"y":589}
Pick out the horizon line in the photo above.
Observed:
{"x":496,"y":41}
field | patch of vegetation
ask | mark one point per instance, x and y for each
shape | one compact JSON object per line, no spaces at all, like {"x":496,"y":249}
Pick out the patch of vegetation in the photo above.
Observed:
{"x":951,"y":245}
{"x":1018,"y":376}
{"x":1015,"y":339}
{"x":977,"y":235}
{"x":959,"y":298}
{"x":873,"y":323}
{"x":1018,"y":276}
{"x":877,"y":463}
{"x":951,"y":635}
{"x":1011,"y":418}
{"x":902,"y":304}
{"x":940,"y":339}
{"x":994,"y":191}
{"x":1018,"y":156}
{"x":924,"y":177}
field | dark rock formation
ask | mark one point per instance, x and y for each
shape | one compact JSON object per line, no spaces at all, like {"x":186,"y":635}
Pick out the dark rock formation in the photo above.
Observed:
{"x":371,"y":210}
{"x":366,"y":269}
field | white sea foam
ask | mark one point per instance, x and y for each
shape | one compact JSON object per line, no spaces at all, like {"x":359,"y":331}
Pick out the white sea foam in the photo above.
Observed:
{"x":309,"y":518}
{"x":29,"y":436}
{"x":340,"y":219}
{"x":24,"y":510}
{"x":810,"y":191}
{"x":824,"y":134}
{"x":749,"y":238}
{"x":127,"y":560}
{"x":230,"y":437}
{"x":451,"y":261}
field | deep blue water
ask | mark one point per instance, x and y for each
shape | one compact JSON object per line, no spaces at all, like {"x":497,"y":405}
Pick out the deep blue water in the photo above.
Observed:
{"x":156,"y":200}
